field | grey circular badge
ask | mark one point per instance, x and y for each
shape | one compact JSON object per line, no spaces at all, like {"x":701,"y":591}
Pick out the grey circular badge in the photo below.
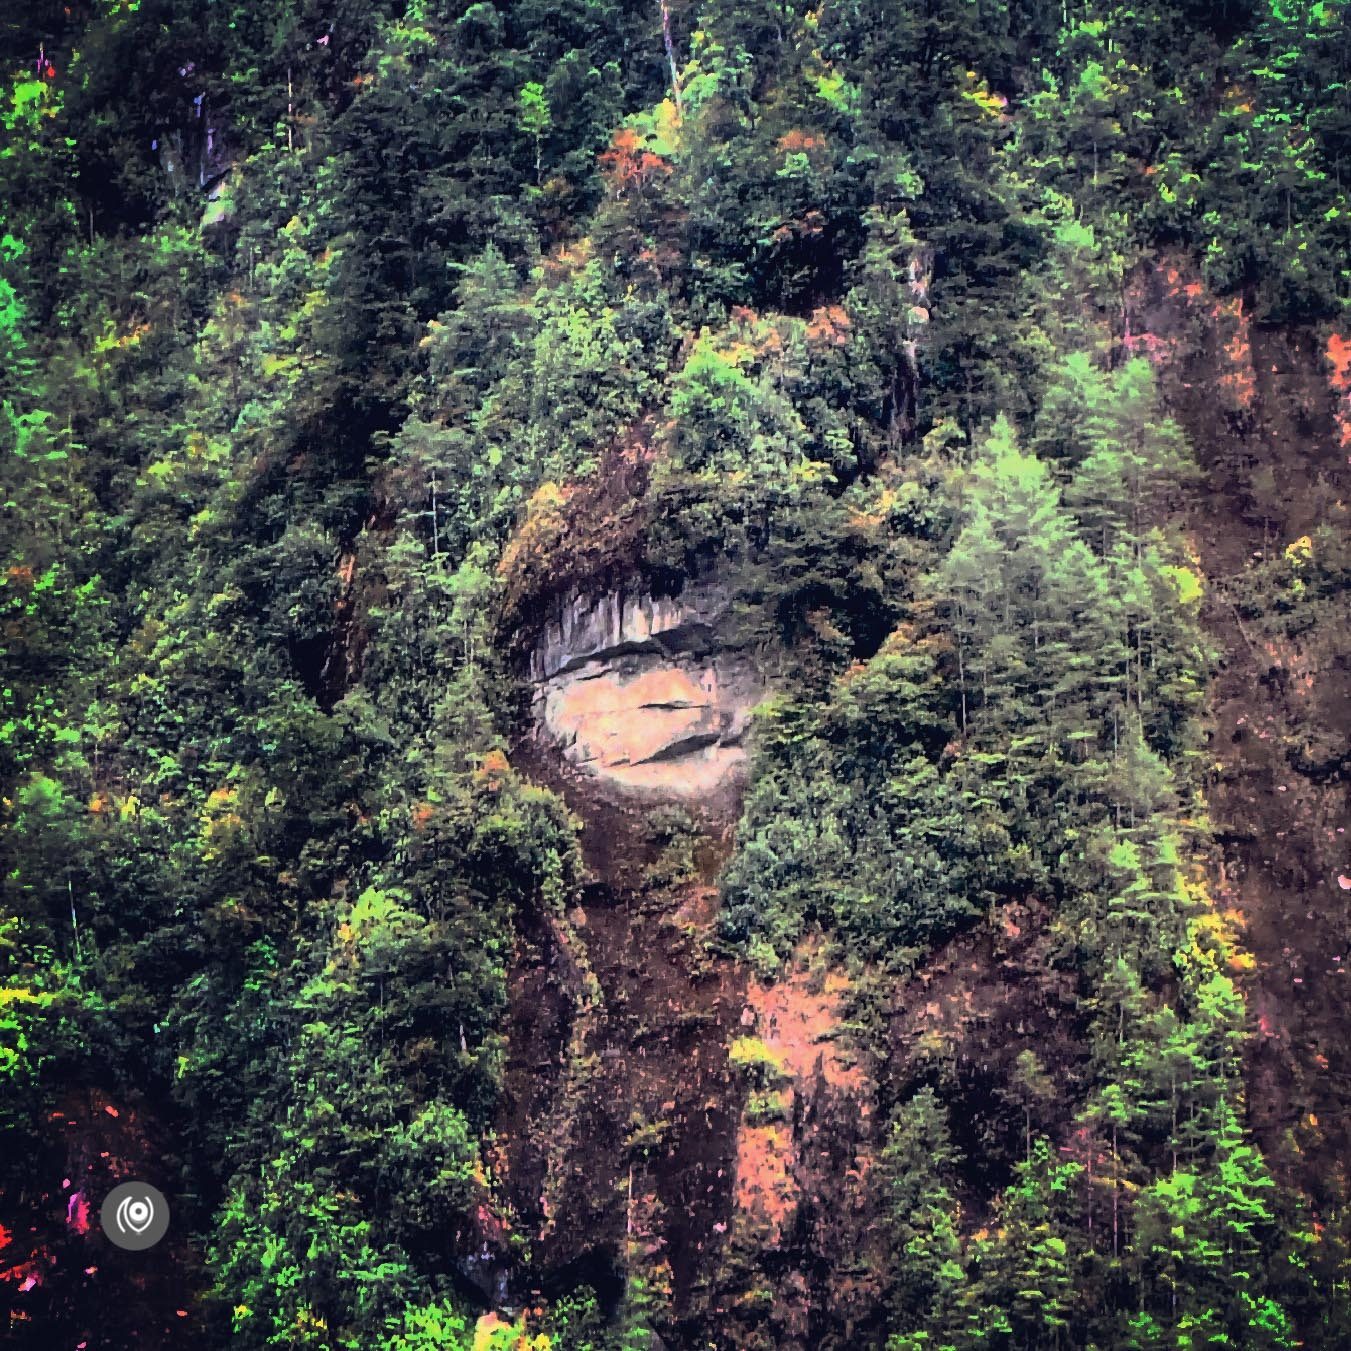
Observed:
{"x":135,"y":1216}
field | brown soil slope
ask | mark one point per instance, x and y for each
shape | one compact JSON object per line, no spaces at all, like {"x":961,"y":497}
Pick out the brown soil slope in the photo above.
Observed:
{"x":1261,"y":407}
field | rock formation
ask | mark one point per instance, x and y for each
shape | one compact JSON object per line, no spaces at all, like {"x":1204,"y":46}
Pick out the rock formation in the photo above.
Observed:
{"x":646,"y":694}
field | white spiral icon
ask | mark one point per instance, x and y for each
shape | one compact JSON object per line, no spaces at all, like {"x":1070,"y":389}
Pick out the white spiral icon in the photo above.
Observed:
{"x":135,"y":1214}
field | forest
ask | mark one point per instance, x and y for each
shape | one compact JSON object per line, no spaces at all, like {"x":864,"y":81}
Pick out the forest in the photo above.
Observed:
{"x":673,"y":673}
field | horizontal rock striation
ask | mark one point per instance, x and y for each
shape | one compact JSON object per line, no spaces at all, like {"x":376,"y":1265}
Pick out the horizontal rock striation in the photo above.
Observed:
{"x":645,"y":694}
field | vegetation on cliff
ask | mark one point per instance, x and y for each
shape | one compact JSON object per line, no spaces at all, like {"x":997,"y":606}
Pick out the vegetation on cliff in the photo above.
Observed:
{"x":339,"y":342}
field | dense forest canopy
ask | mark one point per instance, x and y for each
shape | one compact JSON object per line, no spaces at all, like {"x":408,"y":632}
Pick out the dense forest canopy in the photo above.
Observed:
{"x":340,"y":345}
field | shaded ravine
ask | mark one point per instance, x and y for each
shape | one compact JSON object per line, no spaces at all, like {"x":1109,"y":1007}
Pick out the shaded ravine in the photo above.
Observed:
{"x":63,"y":1281}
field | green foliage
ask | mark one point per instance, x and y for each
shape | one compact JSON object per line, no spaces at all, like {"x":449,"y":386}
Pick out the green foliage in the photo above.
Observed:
{"x":576,"y":1323}
{"x":844,"y":829}
{"x":923,"y":1222}
{"x":431,"y":1327}
{"x":317,"y":320}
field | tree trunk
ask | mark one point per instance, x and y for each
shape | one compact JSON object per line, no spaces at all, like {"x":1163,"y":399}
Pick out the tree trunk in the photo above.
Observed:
{"x":670,"y":57}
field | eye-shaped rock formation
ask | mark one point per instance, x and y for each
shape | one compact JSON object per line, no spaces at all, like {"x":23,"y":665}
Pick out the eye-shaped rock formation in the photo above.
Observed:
{"x":645,"y":694}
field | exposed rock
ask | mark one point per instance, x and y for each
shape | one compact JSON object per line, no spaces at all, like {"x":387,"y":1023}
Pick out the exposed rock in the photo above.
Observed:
{"x":646,"y":694}
{"x":805,"y":1145}
{"x":220,"y":203}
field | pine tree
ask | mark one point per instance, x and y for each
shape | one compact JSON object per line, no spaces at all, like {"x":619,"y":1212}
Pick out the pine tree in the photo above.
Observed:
{"x":922,"y":1216}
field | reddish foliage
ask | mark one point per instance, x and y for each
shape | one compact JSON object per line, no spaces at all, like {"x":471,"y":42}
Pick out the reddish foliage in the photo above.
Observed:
{"x":801,"y":141}
{"x":27,"y":1274}
{"x":1239,"y":380}
{"x":1339,"y":358}
{"x":77,"y":1213}
{"x":809,"y":226}
{"x":626,"y":163}
{"x":493,"y":772}
{"x":829,"y":324}
{"x":1150,"y":346}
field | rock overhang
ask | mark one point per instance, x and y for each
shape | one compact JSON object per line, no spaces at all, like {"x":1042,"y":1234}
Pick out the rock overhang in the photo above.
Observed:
{"x":647,"y":695}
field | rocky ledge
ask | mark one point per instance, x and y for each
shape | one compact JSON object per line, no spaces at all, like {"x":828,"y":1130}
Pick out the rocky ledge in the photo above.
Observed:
{"x":644,"y":694}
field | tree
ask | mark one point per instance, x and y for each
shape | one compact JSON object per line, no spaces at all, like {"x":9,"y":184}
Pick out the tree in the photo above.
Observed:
{"x":1027,"y":1273}
{"x":922,"y":1217}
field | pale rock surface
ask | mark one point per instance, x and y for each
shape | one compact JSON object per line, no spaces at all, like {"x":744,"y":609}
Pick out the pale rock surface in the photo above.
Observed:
{"x":642,"y":694}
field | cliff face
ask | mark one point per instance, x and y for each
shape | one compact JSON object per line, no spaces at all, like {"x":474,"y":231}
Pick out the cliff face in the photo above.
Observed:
{"x":700,"y":1120}
{"x":1280,"y":718}
{"x":712,"y":1130}
{"x":644,"y":694}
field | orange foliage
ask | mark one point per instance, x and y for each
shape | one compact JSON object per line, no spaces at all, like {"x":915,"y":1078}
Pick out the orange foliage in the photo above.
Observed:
{"x":801,"y":141}
{"x":493,"y":770}
{"x":1339,"y":358}
{"x":1239,"y":380}
{"x":810,"y":225}
{"x":626,"y":163}
{"x":495,"y":762}
{"x":567,"y":261}
{"x":829,"y":324}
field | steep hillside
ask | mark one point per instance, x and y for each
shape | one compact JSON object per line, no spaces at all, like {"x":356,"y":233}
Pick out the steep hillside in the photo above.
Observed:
{"x":674,"y":674}
{"x":1280,"y":733}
